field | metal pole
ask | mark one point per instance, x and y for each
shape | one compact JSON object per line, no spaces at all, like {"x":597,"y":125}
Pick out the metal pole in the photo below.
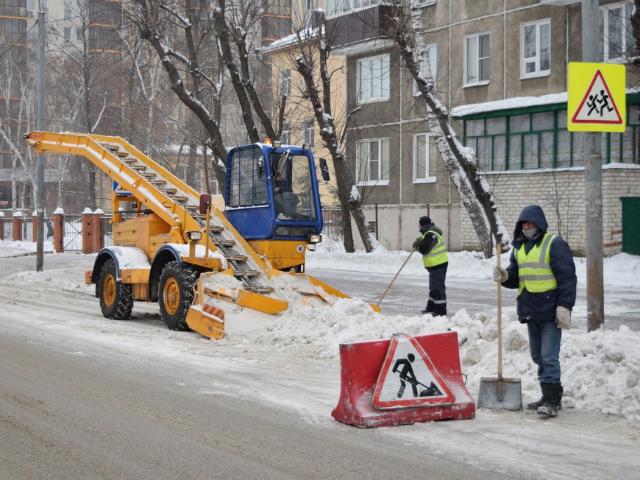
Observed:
{"x":40,"y":126}
{"x":593,"y":181}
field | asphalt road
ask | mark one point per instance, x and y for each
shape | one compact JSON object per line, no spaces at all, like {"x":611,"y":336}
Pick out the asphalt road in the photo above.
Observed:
{"x":65,"y":416}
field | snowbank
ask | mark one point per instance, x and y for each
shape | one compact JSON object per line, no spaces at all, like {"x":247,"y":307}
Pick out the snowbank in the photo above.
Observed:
{"x":622,"y":270}
{"x":601,"y":370}
{"x":15,"y":249}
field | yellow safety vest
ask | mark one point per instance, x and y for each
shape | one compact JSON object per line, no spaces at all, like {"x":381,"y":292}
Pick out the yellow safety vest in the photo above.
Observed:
{"x":438,"y":254}
{"x":534,"y":268}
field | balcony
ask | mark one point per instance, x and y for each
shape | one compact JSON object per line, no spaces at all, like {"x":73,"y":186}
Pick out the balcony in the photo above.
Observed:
{"x":360,"y":25}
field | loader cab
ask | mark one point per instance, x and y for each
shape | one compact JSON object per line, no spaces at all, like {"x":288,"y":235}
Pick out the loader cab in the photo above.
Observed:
{"x":271,"y":197}
{"x":271,"y":193}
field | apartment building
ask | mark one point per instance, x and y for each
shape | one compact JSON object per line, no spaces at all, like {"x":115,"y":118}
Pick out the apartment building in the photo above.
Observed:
{"x":501,"y":68}
{"x":13,"y":55}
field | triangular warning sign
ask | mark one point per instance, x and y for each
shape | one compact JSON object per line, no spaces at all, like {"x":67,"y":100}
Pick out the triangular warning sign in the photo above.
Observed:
{"x":598,"y":105}
{"x":408,"y":378}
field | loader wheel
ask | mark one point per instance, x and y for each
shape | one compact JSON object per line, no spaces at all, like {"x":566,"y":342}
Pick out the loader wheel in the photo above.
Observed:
{"x":176,"y":291}
{"x":116,"y":298}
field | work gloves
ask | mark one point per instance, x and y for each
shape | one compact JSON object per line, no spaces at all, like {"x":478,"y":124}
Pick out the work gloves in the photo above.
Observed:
{"x":416,"y":243}
{"x":563,"y":317}
{"x":500,"y":274}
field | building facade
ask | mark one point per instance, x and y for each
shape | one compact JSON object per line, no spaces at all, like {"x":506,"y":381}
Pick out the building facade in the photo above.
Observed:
{"x":501,"y":68}
{"x":14,"y":185}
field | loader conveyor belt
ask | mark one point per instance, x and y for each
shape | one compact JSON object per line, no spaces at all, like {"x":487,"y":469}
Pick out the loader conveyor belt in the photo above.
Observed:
{"x":160,"y":191}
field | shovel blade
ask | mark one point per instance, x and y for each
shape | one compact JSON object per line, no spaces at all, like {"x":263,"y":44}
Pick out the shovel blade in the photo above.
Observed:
{"x":500,"y":394}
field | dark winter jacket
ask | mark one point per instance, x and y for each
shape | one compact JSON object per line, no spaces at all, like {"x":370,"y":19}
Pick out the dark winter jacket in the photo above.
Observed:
{"x":541,"y":307}
{"x":424,"y":245}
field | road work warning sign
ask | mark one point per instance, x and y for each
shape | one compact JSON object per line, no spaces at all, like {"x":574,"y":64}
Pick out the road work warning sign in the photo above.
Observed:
{"x":596,"y":97}
{"x":408,"y":378}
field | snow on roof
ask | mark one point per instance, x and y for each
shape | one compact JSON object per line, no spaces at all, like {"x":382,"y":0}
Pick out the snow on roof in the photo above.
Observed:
{"x":508,"y":103}
{"x":305,"y":34}
{"x":515,"y":102}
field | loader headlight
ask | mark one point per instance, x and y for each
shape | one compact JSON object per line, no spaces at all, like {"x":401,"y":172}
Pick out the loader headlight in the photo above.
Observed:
{"x":315,"y":238}
{"x":194,"y":235}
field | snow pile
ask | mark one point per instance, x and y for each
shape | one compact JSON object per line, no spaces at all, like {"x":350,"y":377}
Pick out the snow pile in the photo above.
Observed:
{"x":15,"y":249}
{"x":601,"y":370}
{"x":621,"y":270}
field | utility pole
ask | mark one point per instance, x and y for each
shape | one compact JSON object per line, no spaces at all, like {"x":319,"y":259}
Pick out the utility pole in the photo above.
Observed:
{"x":593,"y":181}
{"x":41,"y":85}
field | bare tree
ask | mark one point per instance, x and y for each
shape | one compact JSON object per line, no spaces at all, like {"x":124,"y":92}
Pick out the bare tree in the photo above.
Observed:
{"x":182,"y":35}
{"x":90,"y":70}
{"x":312,"y":53}
{"x":460,"y":161}
{"x":194,"y":39}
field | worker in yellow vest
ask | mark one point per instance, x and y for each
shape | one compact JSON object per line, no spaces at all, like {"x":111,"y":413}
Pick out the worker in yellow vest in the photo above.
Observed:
{"x":543,"y":271}
{"x":433,"y":248}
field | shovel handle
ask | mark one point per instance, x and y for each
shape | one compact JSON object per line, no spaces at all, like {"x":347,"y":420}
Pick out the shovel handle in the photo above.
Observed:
{"x":499,"y":302}
{"x":394,"y":279}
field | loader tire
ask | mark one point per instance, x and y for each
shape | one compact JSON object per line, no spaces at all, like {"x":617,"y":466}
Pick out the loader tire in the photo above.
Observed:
{"x":116,"y":298}
{"x":176,"y":291}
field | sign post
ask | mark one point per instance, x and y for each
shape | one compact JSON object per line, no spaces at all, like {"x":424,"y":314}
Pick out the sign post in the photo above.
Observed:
{"x":596,"y":103}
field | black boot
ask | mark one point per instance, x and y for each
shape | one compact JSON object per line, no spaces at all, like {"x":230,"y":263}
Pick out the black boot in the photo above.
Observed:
{"x":440,"y":310}
{"x":429,"y":308}
{"x":551,"y":400}
{"x":539,"y":403}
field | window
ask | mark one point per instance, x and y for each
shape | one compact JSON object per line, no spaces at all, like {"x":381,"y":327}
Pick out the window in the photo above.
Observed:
{"x":67,"y":34}
{"x":279,"y":7}
{"x":302,"y":11}
{"x":309,"y":133}
{"x":477,"y":59}
{"x":372,"y":162}
{"x":424,"y":148}
{"x":373,"y":79}
{"x":423,"y":3}
{"x":432,"y":62}
{"x":248,"y":182}
{"x":541,"y":140}
{"x":615,"y":30}
{"x":285,"y":82}
{"x":535,"y":50}
{"x":67,"y":9}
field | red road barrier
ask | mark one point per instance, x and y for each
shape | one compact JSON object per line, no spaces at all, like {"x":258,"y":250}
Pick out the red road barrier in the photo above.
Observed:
{"x":365,"y":365}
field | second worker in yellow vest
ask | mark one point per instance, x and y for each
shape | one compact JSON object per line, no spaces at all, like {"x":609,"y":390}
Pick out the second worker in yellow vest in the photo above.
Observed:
{"x":433,"y":248}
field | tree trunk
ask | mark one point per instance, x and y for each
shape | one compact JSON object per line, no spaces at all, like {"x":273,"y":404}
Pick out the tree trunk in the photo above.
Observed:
{"x":460,"y":161}
{"x":321,"y":103}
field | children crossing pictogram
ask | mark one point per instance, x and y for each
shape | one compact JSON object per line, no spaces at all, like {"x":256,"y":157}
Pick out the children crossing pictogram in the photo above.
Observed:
{"x":408,"y":378}
{"x":597,"y":106}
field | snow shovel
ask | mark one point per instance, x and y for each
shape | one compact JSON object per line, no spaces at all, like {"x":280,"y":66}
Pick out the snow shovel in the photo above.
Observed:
{"x":394,"y":279}
{"x":500,"y":393}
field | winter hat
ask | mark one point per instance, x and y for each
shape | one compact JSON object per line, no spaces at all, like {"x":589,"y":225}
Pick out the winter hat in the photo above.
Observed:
{"x":424,"y":221}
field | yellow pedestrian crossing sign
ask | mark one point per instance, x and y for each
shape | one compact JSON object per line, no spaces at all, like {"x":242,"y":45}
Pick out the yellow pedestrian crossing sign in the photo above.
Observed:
{"x":596,"y":97}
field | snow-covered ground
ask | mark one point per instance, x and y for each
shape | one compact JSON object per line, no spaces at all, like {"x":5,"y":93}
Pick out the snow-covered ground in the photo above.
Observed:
{"x":293,"y":361}
{"x":14,"y":249}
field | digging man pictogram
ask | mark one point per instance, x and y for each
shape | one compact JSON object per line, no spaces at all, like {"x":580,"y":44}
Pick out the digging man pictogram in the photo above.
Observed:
{"x":404,"y":369}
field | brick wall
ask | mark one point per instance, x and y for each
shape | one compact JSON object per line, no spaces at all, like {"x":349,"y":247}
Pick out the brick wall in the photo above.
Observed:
{"x":560,"y":193}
